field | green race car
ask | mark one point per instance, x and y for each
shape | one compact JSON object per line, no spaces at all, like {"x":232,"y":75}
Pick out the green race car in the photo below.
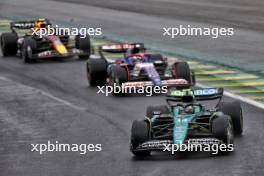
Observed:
{"x":184,"y":121}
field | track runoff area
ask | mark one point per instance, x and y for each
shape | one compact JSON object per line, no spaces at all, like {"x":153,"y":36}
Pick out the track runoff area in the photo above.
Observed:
{"x":245,"y":87}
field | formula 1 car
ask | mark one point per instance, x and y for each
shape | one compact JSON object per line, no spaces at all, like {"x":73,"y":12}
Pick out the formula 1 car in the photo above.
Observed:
{"x":185,"y":121}
{"x":22,"y":41}
{"x":129,"y":65}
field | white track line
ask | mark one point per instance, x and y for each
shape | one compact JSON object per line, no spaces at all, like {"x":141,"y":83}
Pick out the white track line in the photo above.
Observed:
{"x":240,"y":98}
{"x":65,"y":102}
{"x":228,"y":94}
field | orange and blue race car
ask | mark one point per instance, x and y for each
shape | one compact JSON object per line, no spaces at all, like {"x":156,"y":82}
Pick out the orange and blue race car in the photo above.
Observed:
{"x":22,"y":41}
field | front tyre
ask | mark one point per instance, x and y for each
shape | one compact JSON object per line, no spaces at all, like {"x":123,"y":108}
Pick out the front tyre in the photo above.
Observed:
{"x":234,"y":110}
{"x":118,"y":76}
{"x":140,"y":133}
{"x":222,"y":128}
{"x":83,"y":43}
{"x":96,"y":70}
{"x":28,"y":50}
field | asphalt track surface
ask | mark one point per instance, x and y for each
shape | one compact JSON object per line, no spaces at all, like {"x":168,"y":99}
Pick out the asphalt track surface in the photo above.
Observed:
{"x":51,"y":100}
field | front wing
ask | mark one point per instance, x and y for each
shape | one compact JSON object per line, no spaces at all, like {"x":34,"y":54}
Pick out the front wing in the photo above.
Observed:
{"x":163,"y":145}
{"x":52,"y":53}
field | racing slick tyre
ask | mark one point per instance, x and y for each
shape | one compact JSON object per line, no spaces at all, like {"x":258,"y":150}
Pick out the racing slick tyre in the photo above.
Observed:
{"x":193,"y":79}
{"x":140,"y":133}
{"x":96,"y":71}
{"x":234,"y":110}
{"x":28,"y":49}
{"x":8,"y":43}
{"x":222,"y":128}
{"x":84,"y":44}
{"x":181,"y":70}
{"x":151,"y":110}
{"x":118,"y":75}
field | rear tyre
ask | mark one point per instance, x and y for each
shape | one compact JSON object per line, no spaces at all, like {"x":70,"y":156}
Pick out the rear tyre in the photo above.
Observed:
{"x":193,"y":79}
{"x":83,"y":43}
{"x":234,"y":110}
{"x":28,"y":49}
{"x":140,"y":133}
{"x":8,"y":43}
{"x":96,"y":71}
{"x":222,"y":128}
{"x":163,"y":109}
{"x":181,"y":70}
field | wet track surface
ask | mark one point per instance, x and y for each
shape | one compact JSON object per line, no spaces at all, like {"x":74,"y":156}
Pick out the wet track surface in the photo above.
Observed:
{"x":51,"y":100}
{"x":246,"y":17}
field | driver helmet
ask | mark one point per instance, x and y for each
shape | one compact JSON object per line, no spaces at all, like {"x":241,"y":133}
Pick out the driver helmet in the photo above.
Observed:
{"x":189,"y":110}
{"x":135,"y":50}
{"x":41,"y":23}
{"x":132,"y":60}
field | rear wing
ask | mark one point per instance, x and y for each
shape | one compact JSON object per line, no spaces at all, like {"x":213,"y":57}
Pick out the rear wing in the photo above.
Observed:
{"x":22,"y":25}
{"x":199,"y":94}
{"x":208,"y":93}
{"x":120,"y":48}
